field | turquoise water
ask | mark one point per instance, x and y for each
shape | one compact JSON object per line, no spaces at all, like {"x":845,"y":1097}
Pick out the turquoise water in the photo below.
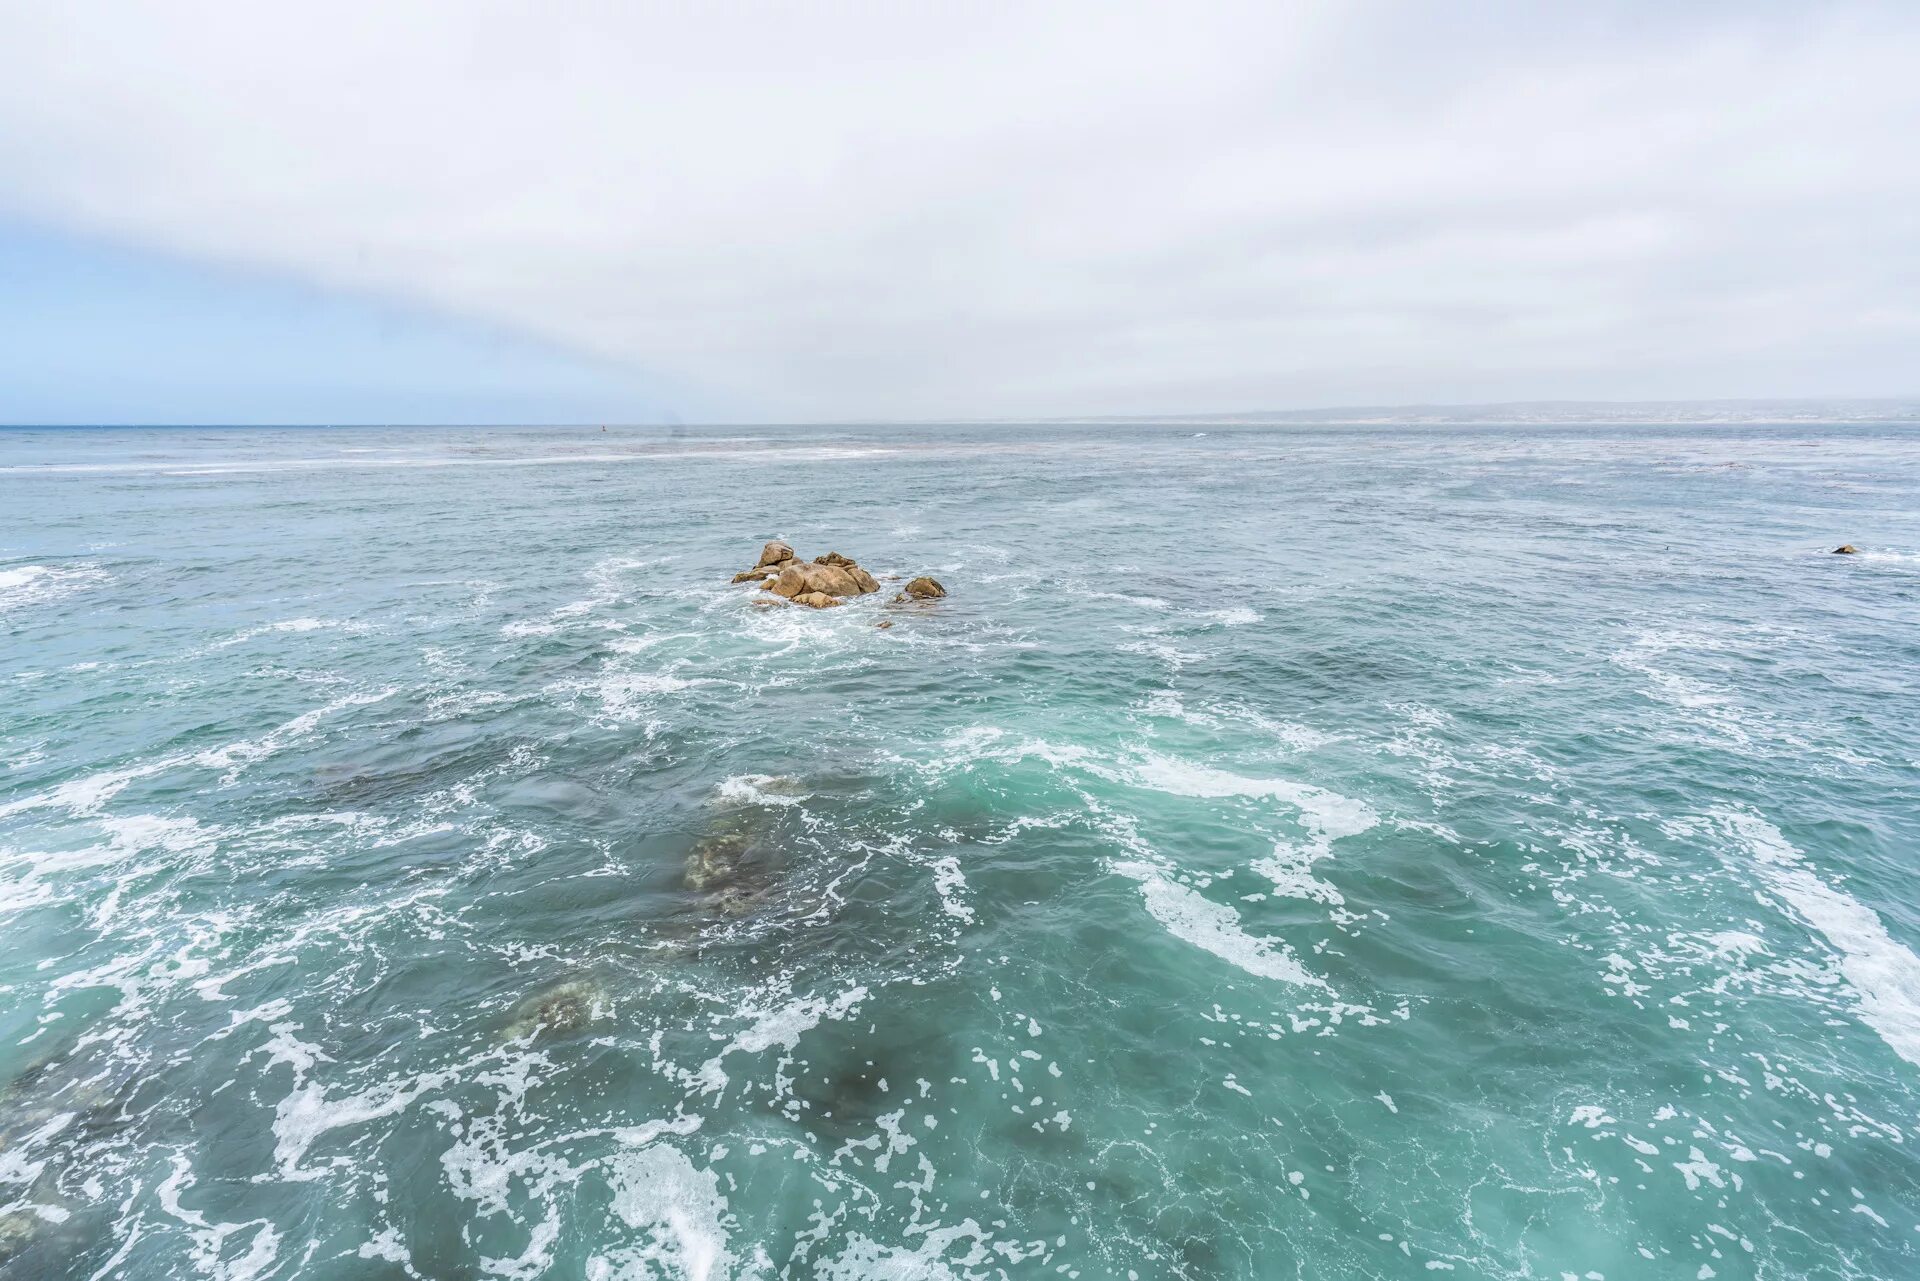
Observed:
{"x":1300,"y":853}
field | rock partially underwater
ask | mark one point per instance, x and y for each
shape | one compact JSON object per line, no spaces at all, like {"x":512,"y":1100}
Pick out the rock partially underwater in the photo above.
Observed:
{"x":735,"y":864}
{"x":922,"y":588}
{"x":823,"y":582}
{"x":559,"y":1009}
{"x":56,"y":1100}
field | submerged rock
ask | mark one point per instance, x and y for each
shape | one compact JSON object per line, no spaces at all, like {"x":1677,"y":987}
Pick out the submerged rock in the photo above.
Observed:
{"x":734,"y":865}
{"x":922,"y":588}
{"x":564,"y":1007}
{"x":716,"y":858}
{"x":1846,"y":549}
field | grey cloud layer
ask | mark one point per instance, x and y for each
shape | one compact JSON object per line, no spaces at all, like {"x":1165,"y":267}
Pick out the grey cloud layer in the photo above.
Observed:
{"x":978,"y":209}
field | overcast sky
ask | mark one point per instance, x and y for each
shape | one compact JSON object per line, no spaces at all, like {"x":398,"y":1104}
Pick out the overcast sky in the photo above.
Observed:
{"x":926,"y":210}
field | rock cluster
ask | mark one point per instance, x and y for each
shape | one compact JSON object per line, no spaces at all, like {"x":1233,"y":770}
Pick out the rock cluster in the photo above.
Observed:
{"x":820,"y":583}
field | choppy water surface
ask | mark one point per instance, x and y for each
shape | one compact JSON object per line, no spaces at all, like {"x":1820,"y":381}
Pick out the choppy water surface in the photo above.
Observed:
{"x":1324,"y":854}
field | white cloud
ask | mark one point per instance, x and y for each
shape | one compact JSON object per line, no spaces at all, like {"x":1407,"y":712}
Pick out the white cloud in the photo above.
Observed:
{"x":983,"y":209}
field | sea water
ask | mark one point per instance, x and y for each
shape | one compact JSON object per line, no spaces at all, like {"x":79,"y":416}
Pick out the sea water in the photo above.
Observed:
{"x":1319,"y":853}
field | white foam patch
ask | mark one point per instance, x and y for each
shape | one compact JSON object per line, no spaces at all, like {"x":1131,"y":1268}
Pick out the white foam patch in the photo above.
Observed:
{"x":781,"y":1026}
{"x":31,"y":879}
{"x":678,"y":1207}
{"x":237,"y":756}
{"x":1884,"y":974}
{"x":25,"y":585}
{"x":307,"y":1112}
{"x":634,"y":696}
{"x":290,"y":626}
{"x":752,"y":789}
{"x":209,"y":1239}
{"x":951,"y":884}
{"x":865,"y":1259}
{"x":965,"y":748}
{"x":1213,"y":927}
{"x":1238,"y":616}
{"x":1326,"y":816}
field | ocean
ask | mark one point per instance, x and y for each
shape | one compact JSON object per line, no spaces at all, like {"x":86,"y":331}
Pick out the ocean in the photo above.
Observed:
{"x":1300,"y":852}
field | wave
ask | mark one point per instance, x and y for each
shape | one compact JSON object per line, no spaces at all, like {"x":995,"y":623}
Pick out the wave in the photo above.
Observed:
{"x":1885,"y":974}
{"x":1214,"y":927}
{"x":24,"y":585}
{"x":1326,"y":817}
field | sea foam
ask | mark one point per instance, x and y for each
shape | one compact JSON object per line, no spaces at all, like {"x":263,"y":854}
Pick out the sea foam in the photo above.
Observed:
{"x":1884,"y":973}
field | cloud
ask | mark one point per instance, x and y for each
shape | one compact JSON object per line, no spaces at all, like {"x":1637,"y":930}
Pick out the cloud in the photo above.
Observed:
{"x":997,"y":209}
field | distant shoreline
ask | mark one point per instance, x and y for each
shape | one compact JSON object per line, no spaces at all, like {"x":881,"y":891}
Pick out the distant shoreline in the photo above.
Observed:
{"x":1863,"y":411}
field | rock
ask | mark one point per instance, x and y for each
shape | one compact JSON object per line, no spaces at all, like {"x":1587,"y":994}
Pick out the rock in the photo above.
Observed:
{"x":716,"y":859}
{"x":833,"y":580}
{"x":564,"y":1007}
{"x":819,"y":600}
{"x":923,"y":588}
{"x":833,"y":574}
{"x":884,"y":623}
{"x":1846,"y":549}
{"x":791,"y":582}
{"x":739,"y":900}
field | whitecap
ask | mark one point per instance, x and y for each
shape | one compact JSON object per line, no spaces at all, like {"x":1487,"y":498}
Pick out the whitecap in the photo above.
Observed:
{"x":757,"y":789}
{"x":288,"y":626}
{"x":780,"y":1026}
{"x":865,"y":1259}
{"x":950,"y":883}
{"x":1326,"y":816}
{"x":1214,"y":927}
{"x":37,"y":584}
{"x":1884,"y":974}
{"x":679,"y":1207}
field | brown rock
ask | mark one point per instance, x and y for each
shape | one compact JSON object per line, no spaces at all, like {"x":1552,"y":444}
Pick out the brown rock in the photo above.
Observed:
{"x":884,"y":623}
{"x":818,"y":600}
{"x":832,"y":579}
{"x":924,"y":588}
{"x":830,"y":575}
{"x":1846,"y":549}
{"x":791,"y":582}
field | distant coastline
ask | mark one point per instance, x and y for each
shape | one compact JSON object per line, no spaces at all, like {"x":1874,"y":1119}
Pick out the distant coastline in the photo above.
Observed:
{"x":1529,"y":413}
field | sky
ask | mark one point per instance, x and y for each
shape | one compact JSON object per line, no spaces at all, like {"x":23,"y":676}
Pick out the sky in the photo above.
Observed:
{"x":572,"y":211}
